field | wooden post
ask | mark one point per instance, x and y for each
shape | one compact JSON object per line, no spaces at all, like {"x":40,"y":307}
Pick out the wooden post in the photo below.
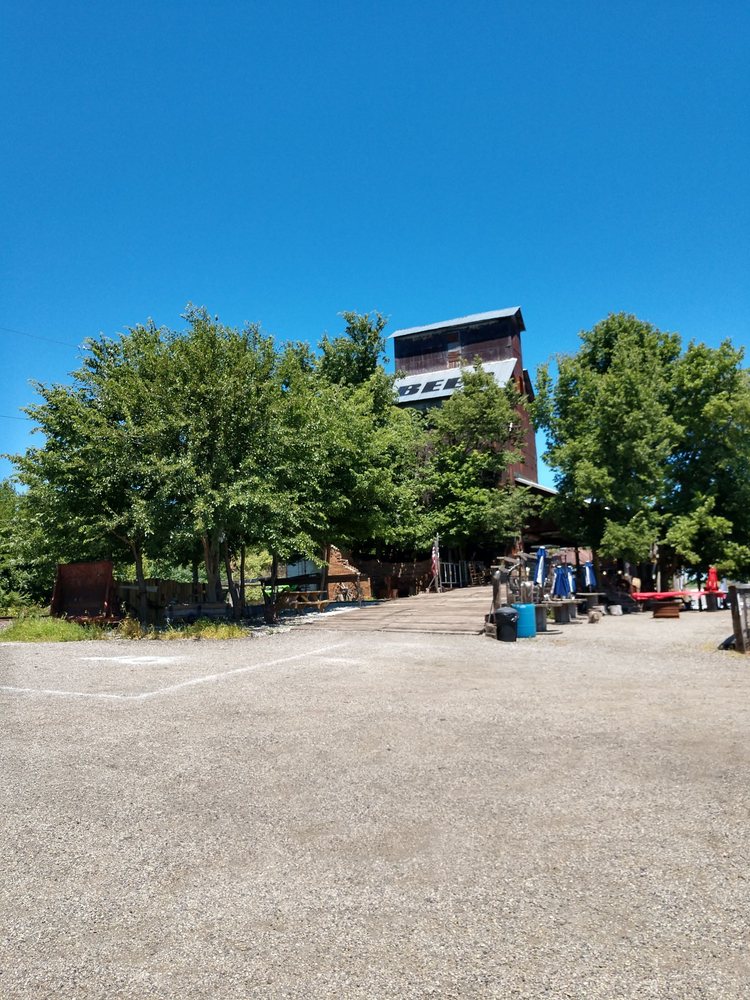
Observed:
{"x":738,"y":597}
{"x":324,"y":570}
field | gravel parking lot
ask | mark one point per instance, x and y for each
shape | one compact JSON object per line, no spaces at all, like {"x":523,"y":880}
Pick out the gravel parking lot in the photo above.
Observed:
{"x":331,"y":814}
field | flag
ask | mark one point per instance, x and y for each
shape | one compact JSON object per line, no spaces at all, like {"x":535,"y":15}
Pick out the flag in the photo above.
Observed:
{"x":436,"y":559}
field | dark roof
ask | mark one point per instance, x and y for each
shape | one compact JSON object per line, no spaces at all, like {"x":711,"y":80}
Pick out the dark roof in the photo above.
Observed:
{"x":484,"y":317}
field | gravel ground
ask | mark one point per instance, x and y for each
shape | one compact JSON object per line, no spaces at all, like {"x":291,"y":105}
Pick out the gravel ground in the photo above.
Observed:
{"x":314,"y":815}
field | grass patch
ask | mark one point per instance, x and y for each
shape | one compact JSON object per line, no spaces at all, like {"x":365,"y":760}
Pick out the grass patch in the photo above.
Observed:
{"x":131,"y":628}
{"x":204,"y":628}
{"x":34,"y":629}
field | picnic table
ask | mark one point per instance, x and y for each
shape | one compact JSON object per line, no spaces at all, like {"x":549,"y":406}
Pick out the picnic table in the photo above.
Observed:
{"x":712,"y":599}
{"x":666,"y":603}
{"x":660,"y":596}
{"x":300,"y":600}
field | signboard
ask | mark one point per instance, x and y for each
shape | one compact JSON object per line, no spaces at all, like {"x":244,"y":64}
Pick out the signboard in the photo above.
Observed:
{"x":440,"y":384}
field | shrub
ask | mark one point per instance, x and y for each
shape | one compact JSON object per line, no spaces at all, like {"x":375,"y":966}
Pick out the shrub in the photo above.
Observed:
{"x":33,"y":628}
{"x":131,"y":628}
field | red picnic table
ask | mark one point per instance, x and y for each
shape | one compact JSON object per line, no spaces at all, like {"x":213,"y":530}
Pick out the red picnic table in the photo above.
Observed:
{"x":658,"y":595}
{"x":664,"y":597}
{"x":666,"y":603}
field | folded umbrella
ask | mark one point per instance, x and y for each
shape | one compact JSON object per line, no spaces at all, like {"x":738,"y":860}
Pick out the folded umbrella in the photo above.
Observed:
{"x":540,"y":567}
{"x":561,"y":585}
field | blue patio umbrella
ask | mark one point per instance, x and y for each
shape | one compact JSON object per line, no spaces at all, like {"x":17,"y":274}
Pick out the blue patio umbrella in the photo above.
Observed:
{"x":589,"y":577}
{"x":571,"y":579}
{"x":540,"y":567}
{"x":561,"y":585}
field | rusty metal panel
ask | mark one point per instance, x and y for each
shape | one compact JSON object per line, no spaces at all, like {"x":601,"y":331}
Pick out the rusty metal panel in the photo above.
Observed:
{"x":84,"y":590}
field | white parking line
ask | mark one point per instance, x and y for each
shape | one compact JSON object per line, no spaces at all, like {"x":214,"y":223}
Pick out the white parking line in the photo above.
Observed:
{"x":134,"y":660}
{"x":143,"y":696}
{"x":69,"y":694}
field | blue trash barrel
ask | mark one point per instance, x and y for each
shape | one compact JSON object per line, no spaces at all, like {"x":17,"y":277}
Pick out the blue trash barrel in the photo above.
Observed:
{"x":526,"y":620}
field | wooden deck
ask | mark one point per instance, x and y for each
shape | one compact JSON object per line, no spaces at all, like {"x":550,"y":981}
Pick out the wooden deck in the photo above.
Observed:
{"x":456,"y":612}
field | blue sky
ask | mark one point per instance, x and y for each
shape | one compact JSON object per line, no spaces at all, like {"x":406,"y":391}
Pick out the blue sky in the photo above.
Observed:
{"x":282,"y":162}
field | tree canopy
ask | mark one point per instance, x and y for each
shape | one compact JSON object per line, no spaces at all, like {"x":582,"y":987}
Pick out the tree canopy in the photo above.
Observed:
{"x":201,"y":442}
{"x":650,"y":445}
{"x":471,"y":441}
{"x":354,"y":356}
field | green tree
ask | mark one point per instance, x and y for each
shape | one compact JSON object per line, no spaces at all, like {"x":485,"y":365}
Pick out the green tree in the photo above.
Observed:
{"x":9,"y":513}
{"x":96,"y":487}
{"x":287,"y":503}
{"x":372,"y":462}
{"x":220,"y":395}
{"x":355,"y":356}
{"x":708,"y":476}
{"x":471,"y":441}
{"x":610,"y":432}
{"x":651,"y":444}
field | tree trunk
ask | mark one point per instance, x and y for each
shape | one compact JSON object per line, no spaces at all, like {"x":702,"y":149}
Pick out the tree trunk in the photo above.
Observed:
{"x":195,"y":578}
{"x":141,"y":581}
{"x":242,"y":579}
{"x":211,"y":559}
{"x":597,"y":569}
{"x":231,"y":586}
{"x":269,"y":597}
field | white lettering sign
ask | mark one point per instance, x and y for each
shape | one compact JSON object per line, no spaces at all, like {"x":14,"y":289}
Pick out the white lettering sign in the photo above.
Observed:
{"x":441,"y":384}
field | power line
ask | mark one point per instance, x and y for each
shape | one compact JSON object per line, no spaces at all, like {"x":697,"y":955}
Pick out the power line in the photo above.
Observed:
{"x":5,"y":416}
{"x":35,"y":336}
